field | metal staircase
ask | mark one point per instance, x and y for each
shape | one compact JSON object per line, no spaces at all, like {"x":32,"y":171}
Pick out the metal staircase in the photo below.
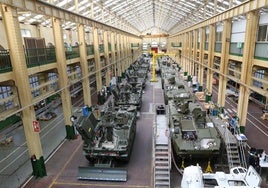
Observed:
{"x":233,"y":155}
{"x":161,"y":166}
{"x":161,"y":151}
{"x":235,"y":149}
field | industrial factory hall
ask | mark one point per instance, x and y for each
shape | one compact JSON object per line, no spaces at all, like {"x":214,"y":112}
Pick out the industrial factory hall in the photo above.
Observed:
{"x":134,"y":93}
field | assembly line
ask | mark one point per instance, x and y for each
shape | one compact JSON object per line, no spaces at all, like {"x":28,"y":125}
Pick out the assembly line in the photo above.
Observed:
{"x":134,"y":94}
{"x":140,"y":167}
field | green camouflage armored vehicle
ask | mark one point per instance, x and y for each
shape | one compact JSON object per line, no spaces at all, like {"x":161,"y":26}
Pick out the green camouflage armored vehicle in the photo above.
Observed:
{"x":107,"y":139}
{"x":194,"y":135}
{"x":126,"y":94}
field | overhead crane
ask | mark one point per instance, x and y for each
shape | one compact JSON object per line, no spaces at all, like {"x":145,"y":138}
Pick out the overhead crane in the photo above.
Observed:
{"x":156,"y":55}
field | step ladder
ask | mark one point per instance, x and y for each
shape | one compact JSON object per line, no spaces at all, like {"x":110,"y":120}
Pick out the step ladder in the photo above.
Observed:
{"x":161,"y":166}
{"x":242,"y":147}
{"x":161,"y":151}
{"x":233,"y":155}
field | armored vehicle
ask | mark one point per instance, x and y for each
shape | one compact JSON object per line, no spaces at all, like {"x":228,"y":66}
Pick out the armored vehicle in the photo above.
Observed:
{"x":194,"y":135}
{"x":107,"y":139}
{"x":135,"y":74}
{"x":173,"y":87}
{"x":143,"y":63}
{"x":126,"y":94}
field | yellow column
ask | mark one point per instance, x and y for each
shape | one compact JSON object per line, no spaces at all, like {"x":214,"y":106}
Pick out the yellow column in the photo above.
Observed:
{"x":107,"y":59}
{"x":118,"y":60}
{"x":211,"y":44}
{"x":125,"y":48}
{"x":183,"y":59}
{"x":113,"y":53}
{"x":122,"y":53}
{"x":20,"y":72}
{"x":194,"y":68}
{"x":63,"y":77}
{"x":191,"y":53}
{"x":201,"y":56}
{"x":226,"y":34}
{"x":97,"y":58}
{"x":84,"y":65}
{"x":187,"y":48}
{"x":128,"y":47}
{"x":246,"y":73}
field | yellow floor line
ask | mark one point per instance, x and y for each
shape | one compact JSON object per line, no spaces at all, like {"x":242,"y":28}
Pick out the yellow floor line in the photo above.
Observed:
{"x":69,"y":160}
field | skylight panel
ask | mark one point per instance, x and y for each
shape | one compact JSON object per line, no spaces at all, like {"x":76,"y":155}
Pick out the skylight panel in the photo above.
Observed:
{"x":38,"y":16}
{"x":21,"y":18}
{"x":63,"y":3}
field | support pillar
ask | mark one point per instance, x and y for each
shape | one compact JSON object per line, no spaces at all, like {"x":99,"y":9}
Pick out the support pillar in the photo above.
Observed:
{"x":211,"y":44}
{"x":63,"y":77}
{"x":226,"y":34}
{"x":113,"y":53}
{"x":97,"y":59}
{"x":107,"y":59}
{"x":194,"y":68}
{"x":84,"y":65}
{"x":201,"y":57}
{"x":248,"y":56}
{"x":118,"y":49}
{"x":20,"y":71}
{"x":128,"y":53}
{"x":123,"y":53}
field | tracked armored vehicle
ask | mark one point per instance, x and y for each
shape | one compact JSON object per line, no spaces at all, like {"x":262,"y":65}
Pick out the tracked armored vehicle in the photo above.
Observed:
{"x":126,"y":94}
{"x":134,"y":74}
{"x":194,"y":135}
{"x":173,"y":87}
{"x":107,"y":139}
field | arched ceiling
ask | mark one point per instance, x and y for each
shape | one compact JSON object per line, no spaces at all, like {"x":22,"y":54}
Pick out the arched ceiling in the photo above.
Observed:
{"x":140,"y":17}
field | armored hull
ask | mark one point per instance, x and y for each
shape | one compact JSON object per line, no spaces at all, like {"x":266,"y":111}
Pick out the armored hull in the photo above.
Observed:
{"x":174,"y":88}
{"x":194,"y":135}
{"x":126,"y":94}
{"x":110,"y":137}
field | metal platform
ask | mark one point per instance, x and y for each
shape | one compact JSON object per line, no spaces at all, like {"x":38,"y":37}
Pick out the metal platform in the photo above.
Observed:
{"x":231,"y":143}
{"x":102,"y":174}
{"x":162,"y":155}
{"x":161,"y":136}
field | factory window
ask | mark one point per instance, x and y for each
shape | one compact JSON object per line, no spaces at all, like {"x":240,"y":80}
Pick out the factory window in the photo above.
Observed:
{"x":34,"y":82}
{"x":53,"y":77}
{"x":25,"y":33}
{"x":78,"y":72}
{"x":262,"y":33}
{"x":206,"y":37}
{"x":69,"y":70}
{"x":260,"y":75}
{"x":5,"y":91}
{"x":218,"y":36}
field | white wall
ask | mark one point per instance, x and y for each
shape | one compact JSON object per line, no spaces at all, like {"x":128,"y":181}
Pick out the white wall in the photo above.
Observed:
{"x":3,"y":41}
{"x":219,"y":28}
{"x":47,"y":33}
{"x":263,"y":19}
{"x":238,"y":31}
{"x":32,"y":28}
